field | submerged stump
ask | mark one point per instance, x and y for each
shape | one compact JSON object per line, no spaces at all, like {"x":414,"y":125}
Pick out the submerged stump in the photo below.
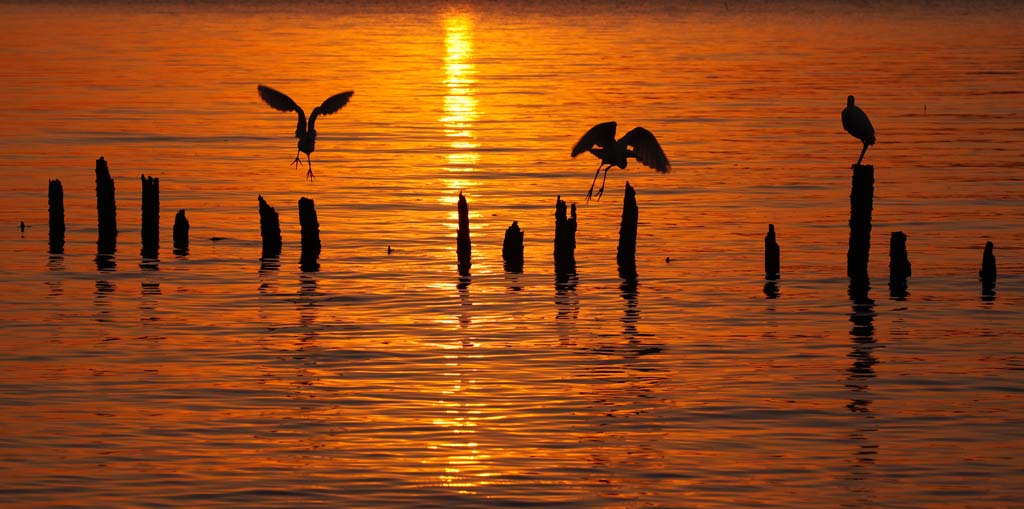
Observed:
{"x":310,"y":235}
{"x":106,"y":210}
{"x":565,"y":238}
{"x":181,"y":233}
{"x":861,"y":200}
{"x":464,"y":247}
{"x":772,"y":271}
{"x":512,"y":248}
{"x":270,"y":230}
{"x":150,"y":217}
{"x":899,"y":264}
{"x":55,"y":197}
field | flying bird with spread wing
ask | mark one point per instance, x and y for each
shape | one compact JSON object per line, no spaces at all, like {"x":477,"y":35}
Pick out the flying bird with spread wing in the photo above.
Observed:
{"x":303,"y":131}
{"x":639,"y":144}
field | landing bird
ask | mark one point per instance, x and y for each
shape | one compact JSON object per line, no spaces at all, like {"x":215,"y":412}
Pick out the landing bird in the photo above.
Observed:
{"x":305,"y":133}
{"x":856,"y":122}
{"x":639,"y":144}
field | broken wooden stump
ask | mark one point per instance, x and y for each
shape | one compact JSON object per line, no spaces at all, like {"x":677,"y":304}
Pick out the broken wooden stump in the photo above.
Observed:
{"x":55,"y":196}
{"x":512,"y":248}
{"x":270,"y":230}
{"x":899,"y":264}
{"x":310,"y":235}
{"x":180,"y":233}
{"x":861,"y":199}
{"x":150,"y":217}
{"x":771,"y":255}
{"x":565,"y":238}
{"x":626,"y":254}
{"x":464,"y":247}
{"x":106,"y":210}
{"x":988,"y":270}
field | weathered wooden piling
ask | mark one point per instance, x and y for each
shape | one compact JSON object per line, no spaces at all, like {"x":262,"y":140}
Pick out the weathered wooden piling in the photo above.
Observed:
{"x":464,"y":248}
{"x":55,"y":196}
{"x":988,"y":269}
{"x":106,"y":209}
{"x":310,"y":235}
{"x":270,"y":230}
{"x":772,"y":271}
{"x":626,"y":255}
{"x":512,"y":248}
{"x":899,"y":264}
{"x":150,"y":217}
{"x":861,"y":199}
{"x":180,"y":233}
{"x":565,"y":238}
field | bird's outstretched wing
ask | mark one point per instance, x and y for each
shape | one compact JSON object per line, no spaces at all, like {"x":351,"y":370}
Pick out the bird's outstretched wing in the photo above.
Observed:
{"x":281,"y":102}
{"x":647,"y":150}
{"x":601,"y":135}
{"x":330,"y":105}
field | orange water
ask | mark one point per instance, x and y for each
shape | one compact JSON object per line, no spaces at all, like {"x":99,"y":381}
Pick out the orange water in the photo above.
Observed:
{"x":385,"y":380}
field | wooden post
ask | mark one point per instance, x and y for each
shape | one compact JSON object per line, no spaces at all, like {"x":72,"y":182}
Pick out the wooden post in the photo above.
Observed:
{"x":270,"y":230}
{"x":565,"y":238}
{"x":180,"y":233}
{"x":150,"y":217}
{"x":310,"y":235}
{"x":772,"y":270}
{"x":106,"y":210}
{"x":464,"y":248}
{"x":861,"y":199}
{"x":988,"y":270}
{"x":899,"y":264}
{"x":55,"y":196}
{"x":512,"y":248}
{"x":626,"y":256}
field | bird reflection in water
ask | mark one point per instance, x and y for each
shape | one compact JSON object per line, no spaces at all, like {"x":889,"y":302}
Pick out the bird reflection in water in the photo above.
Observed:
{"x":862,"y":335}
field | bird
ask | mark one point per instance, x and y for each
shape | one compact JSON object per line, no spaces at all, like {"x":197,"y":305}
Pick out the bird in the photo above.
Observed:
{"x":303,"y":131}
{"x":856,"y":122}
{"x":639,"y":144}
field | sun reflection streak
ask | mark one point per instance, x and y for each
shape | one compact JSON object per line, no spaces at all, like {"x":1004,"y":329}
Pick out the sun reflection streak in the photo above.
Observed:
{"x":460,"y":104}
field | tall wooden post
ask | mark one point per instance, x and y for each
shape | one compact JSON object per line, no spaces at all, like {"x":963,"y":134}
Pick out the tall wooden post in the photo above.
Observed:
{"x":310,"y":235}
{"x":772,"y":271}
{"x":861,"y":200}
{"x":55,"y":197}
{"x":106,"y":210}
{"x":899,"y":264}
{"x":565,"y":238}
{"x":464,"y":247}
{"x":181,"y":233}
{"x":270,"y":230}
{"x":626,"y":254}
{"x":150,"y":217}
{"x":988,"y":270}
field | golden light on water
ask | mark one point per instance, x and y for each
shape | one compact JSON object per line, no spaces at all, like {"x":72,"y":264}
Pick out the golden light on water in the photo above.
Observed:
{"x":460,"y":105}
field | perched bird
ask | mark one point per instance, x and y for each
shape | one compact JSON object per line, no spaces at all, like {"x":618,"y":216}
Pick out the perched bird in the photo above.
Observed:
{"x":639,"y":144}
{"x":856,"y":122}
{"x":303,"y":131}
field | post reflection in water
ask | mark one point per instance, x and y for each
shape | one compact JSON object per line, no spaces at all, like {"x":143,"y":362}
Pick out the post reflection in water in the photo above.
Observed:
{"x":307,"y":303}
{"x":567,"y":304}
{"x":631,"y":312}
{"x":101,"y":300}
{"x":465,"y":304}
{"x":859,"y":374}
{"x":269,"y":268}
{"x":147,"y":304}
{"x":56,"y":264}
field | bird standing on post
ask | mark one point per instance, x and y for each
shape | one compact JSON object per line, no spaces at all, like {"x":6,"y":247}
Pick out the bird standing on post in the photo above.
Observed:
{"x":639,"y":144}
{"x":305,"y":133}
{"x":856,"y":122}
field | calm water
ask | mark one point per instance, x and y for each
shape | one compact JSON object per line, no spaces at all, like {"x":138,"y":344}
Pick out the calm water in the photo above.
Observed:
{"x":386,"y":381}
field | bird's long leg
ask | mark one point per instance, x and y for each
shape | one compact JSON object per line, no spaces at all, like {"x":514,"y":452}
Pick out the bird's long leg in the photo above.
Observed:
{"x":601,"y":191}
{"x":309,"y":173}
{"x":596,"y":173}
{"x":296,"y":162}
{"x":862,"y":154}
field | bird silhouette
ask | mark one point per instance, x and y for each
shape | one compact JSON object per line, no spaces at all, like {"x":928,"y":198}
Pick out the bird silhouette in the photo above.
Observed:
{"x":639,"y":144}
{"x":856,"y":122}
{"x":303,"y":131}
